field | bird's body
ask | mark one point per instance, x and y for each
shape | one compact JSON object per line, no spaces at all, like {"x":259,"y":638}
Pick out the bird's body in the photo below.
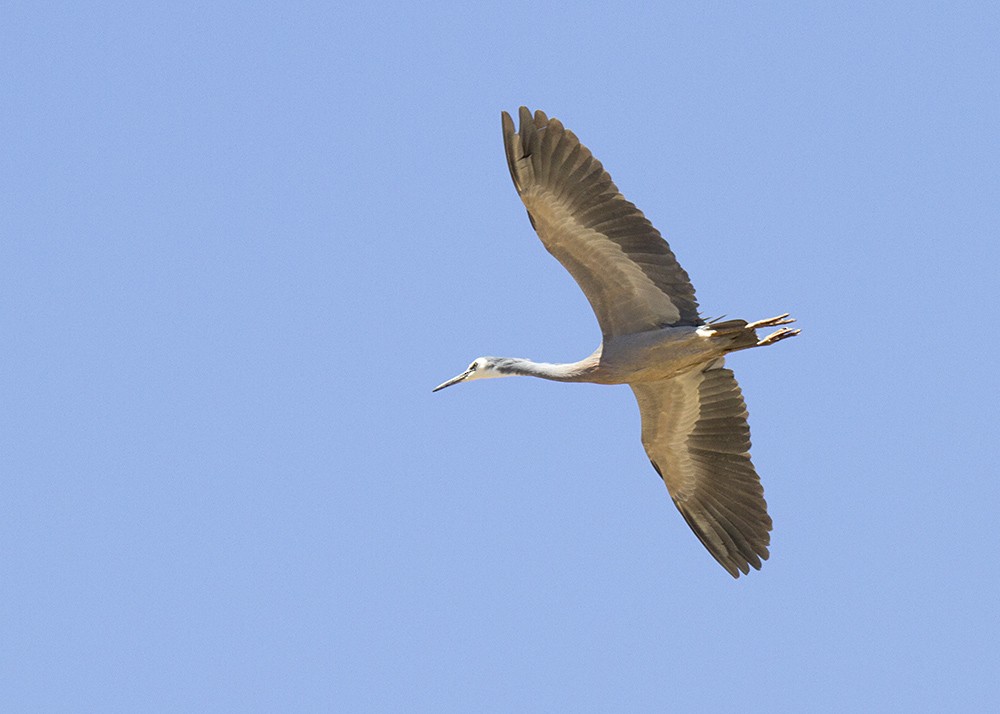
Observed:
{"x":694,"y":426}
{"x":669,"y":351}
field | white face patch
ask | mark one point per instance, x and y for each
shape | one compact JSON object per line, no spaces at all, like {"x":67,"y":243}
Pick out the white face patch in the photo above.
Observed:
{"x":484,"y":370}
{"x":478,"y":369}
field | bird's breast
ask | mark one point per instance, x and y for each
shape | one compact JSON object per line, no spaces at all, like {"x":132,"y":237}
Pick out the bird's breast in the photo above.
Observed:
{"x":656,"y":355}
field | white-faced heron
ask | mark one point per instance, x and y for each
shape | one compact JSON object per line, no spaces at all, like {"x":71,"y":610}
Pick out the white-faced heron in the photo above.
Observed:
{"x":694,"y":420}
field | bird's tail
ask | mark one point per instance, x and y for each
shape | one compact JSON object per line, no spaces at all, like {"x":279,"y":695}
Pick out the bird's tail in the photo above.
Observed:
{"x":735,"y":334}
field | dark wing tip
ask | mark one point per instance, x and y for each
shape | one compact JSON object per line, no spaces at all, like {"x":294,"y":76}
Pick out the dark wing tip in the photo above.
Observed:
{"x":518,"y":142}
{"x":729,"y":555}
{"x":510,"y":139}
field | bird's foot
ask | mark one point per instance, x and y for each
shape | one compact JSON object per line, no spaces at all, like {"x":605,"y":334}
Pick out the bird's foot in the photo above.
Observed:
{"x":778,"y":335}
{"x":772,"y":322}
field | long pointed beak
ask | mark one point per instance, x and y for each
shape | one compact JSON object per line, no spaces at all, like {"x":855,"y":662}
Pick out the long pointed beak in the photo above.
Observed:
{"x":453,"y":380}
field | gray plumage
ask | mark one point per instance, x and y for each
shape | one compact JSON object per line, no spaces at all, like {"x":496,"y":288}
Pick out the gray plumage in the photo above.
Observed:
{"x":694,"y":420}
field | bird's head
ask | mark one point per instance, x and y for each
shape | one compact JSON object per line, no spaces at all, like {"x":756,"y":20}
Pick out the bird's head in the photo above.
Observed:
{"x":481,"y":368}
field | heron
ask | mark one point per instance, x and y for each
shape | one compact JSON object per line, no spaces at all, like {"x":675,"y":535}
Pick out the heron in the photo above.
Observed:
{"x":694,"y":418}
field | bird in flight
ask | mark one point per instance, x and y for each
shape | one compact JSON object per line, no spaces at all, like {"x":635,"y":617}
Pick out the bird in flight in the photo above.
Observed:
{"x":694,"y":419}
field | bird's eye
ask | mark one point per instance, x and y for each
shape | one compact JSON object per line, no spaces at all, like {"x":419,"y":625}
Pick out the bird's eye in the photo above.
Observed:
{"x":472,"y":367}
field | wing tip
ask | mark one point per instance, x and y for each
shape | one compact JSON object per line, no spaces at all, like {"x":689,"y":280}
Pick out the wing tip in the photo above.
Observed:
{"x":523,"y":116}
{"x":518,"y":141}
{"x":734,"y":559}
{"x":511,"y":146}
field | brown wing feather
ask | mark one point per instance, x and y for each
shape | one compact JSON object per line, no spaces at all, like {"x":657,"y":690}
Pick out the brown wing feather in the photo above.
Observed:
{"x":621,"y":262}
{"x":695,"y":431}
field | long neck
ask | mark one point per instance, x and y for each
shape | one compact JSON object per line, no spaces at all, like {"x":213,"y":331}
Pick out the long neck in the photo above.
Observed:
{"x":581,"y":371}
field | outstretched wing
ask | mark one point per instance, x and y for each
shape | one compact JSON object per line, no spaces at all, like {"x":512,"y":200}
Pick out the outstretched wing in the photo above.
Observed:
{"x":620,"y":261}
{"x":695,"y":431}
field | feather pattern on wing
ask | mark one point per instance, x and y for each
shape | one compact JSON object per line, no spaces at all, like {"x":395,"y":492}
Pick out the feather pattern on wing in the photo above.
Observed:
{"x":695,"y":431}
{"x":620,"y":261}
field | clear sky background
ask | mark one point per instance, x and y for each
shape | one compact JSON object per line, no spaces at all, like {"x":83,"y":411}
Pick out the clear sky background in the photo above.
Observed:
{"x":240,"y":243}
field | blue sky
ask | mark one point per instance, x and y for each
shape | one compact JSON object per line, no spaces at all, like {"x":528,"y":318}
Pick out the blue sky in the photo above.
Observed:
{"x":240,"y":243}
